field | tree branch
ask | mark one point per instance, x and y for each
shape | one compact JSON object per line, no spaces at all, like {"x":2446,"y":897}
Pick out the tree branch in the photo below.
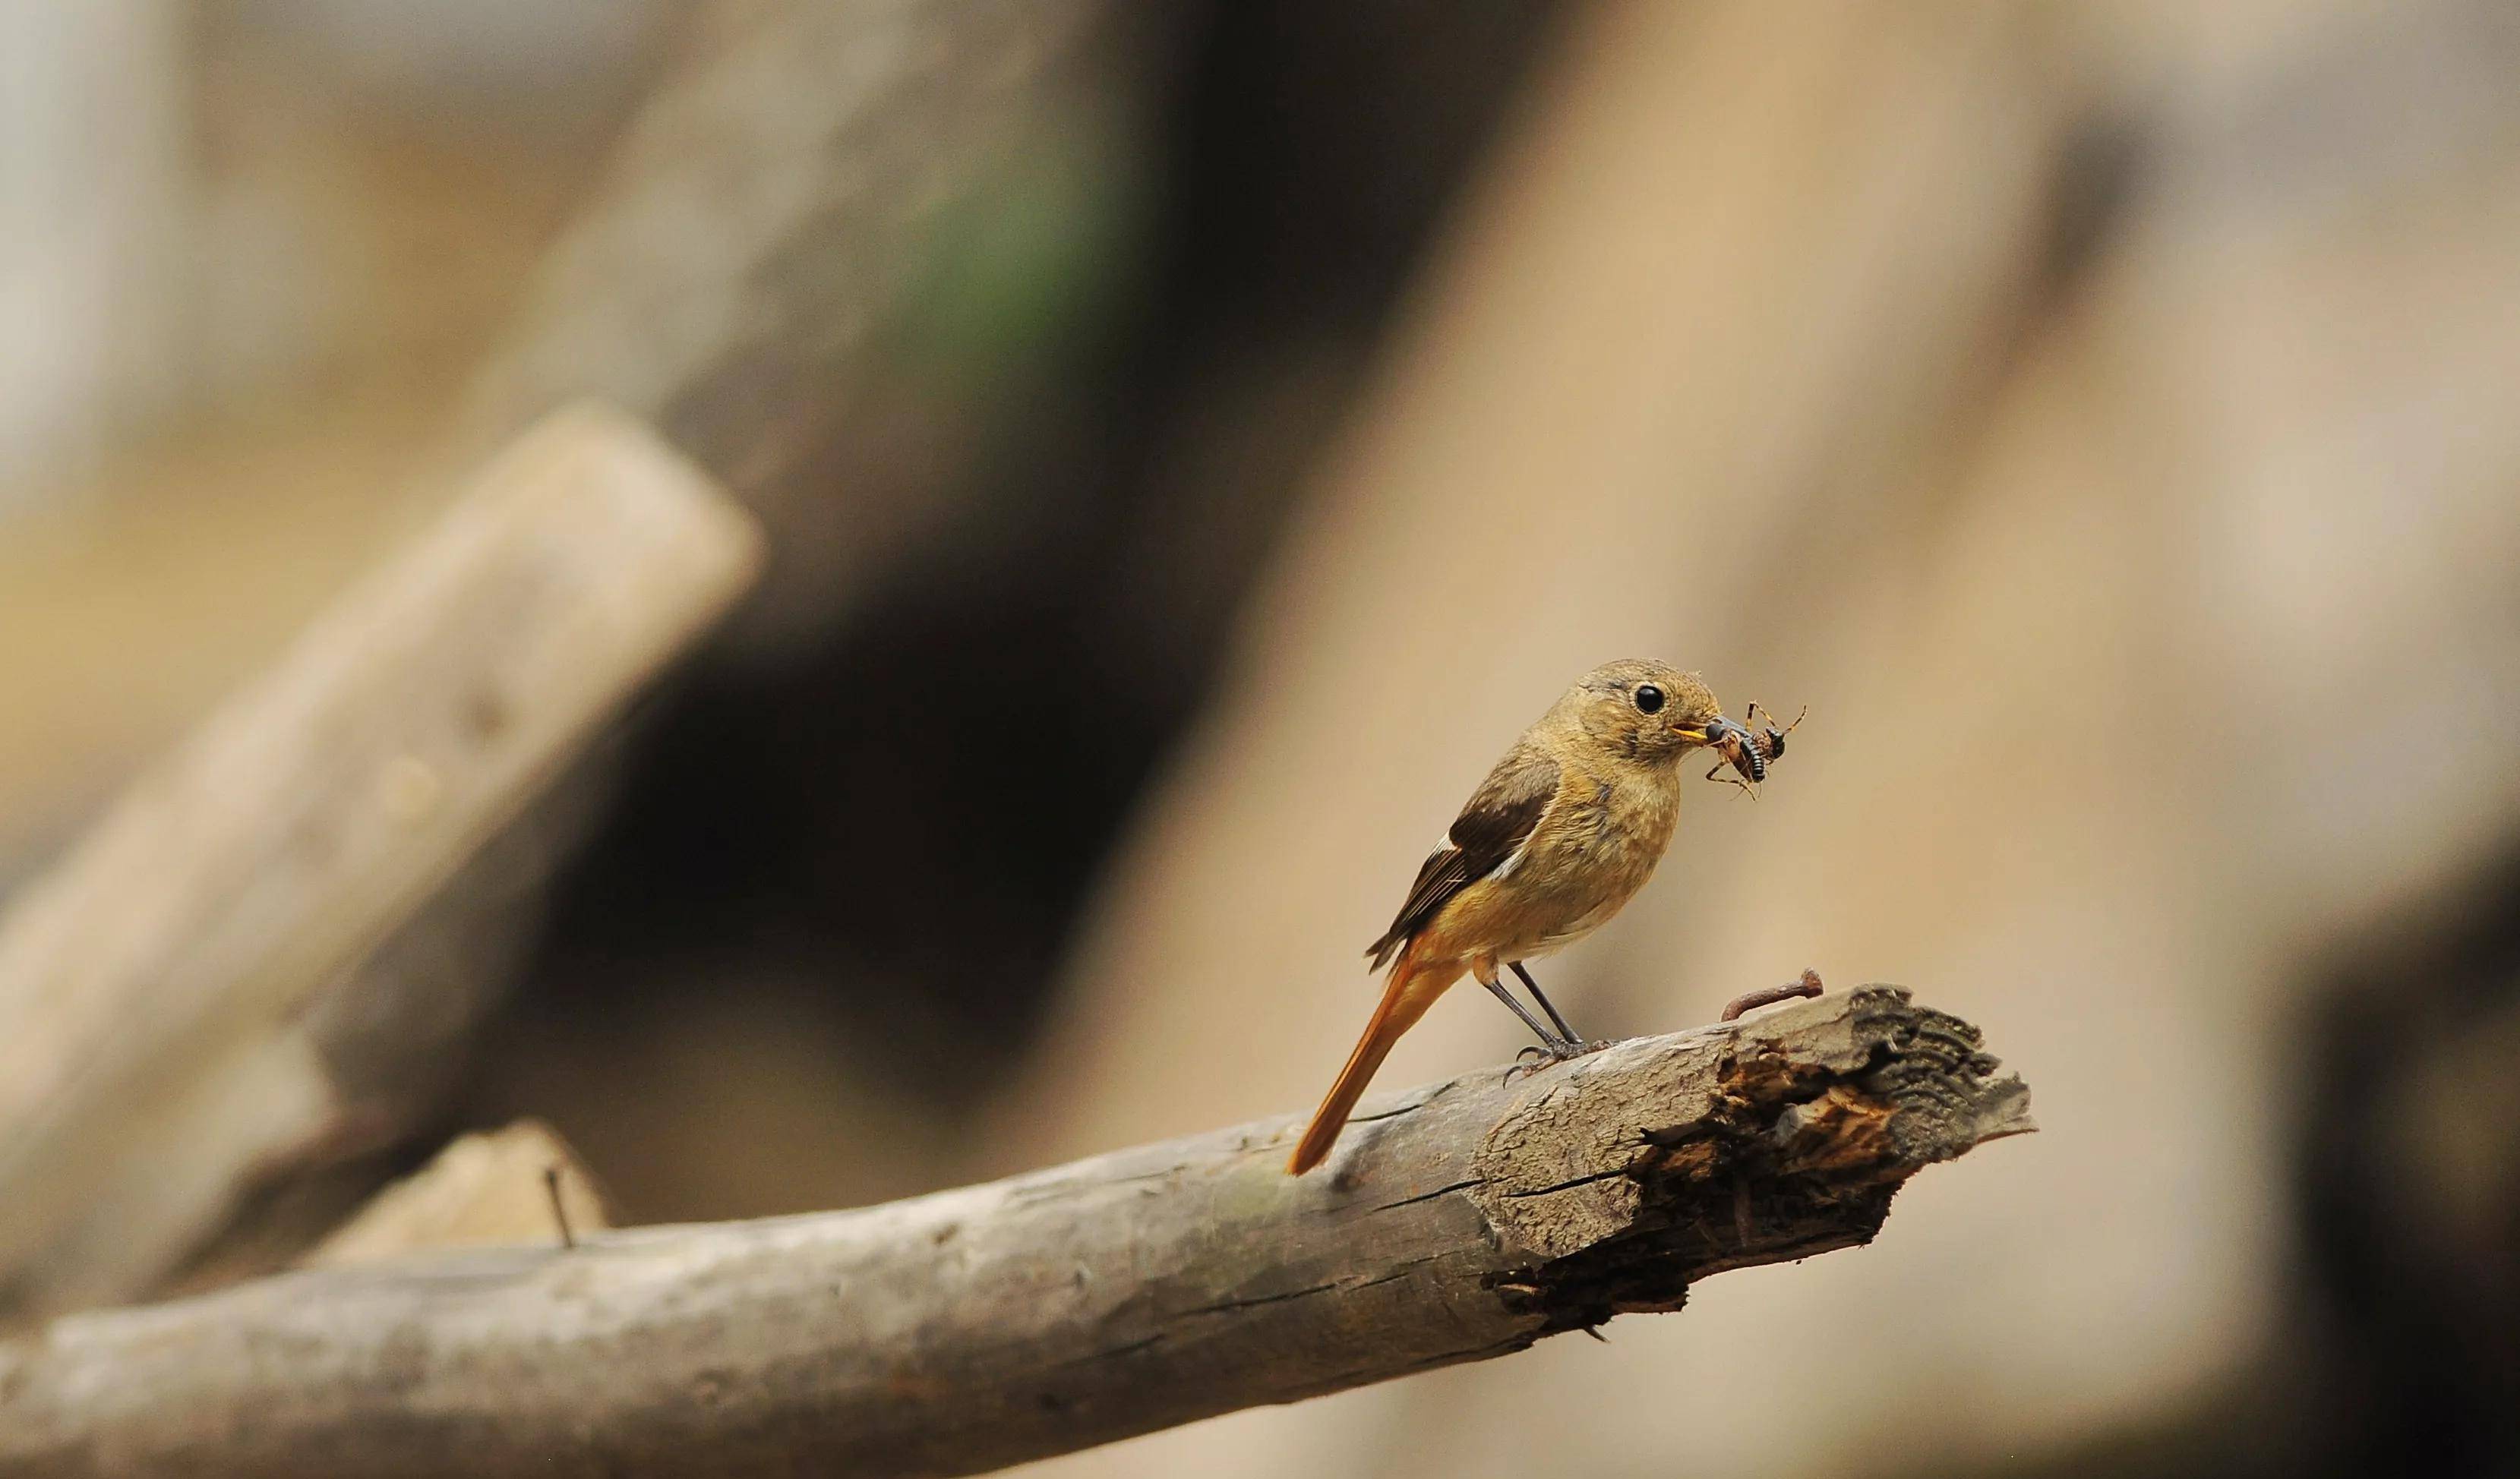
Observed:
{"x":995,"y":1324}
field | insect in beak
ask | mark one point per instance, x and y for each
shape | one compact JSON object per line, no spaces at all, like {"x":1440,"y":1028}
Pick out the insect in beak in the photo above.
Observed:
{"x":1749,"y":751}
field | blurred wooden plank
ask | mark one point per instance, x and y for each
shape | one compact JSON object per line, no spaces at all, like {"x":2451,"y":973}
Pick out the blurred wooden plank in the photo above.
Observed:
{"x":491,"y":1189}
{"x":103,"y":198}
{"x":728,"y":279}
{"x":732,"y":273}
{"x":149,"y":981}
{"x":726,"y":282}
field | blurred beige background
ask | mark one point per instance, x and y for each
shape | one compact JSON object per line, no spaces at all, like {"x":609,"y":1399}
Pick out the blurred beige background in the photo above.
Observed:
{"x":2106,"y":420}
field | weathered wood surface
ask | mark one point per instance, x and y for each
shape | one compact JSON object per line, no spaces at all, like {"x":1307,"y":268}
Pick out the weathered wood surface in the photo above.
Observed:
{"x":154,"y":1051}
{"x":986,"y":1326}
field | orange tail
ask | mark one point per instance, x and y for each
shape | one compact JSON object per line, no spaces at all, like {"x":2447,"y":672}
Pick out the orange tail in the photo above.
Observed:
{"x":1411,"y":989}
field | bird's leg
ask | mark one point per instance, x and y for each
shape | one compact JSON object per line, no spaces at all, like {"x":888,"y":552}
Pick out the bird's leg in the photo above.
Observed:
{"x":1554,"y":1047}
{"x":1528,"y":984}
{"x":1551,"y":1044}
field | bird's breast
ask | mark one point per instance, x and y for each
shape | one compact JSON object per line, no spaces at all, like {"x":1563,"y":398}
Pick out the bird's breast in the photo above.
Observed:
{"x":1593,"y":850}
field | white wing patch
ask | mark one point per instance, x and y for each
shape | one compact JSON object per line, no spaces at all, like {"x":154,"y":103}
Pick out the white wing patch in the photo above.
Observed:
{"x":1514,"y":861}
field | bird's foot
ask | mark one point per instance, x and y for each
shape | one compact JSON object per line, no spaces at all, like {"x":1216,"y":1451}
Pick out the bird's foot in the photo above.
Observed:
{"x":1539,"y":1055}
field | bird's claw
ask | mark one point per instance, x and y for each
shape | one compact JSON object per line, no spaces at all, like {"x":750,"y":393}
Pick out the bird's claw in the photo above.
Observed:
{"x":1538,"y":1055}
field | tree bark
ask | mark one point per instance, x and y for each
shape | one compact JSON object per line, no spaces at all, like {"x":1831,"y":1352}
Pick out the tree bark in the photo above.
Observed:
{"x":1001,"y":1323}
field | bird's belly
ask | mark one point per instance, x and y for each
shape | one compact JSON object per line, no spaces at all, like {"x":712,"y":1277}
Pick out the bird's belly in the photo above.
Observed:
{"x":1575,"y":918}
{"x":1551,"y":900}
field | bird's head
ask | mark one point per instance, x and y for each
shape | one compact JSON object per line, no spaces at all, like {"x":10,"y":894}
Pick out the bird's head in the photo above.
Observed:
{"x":1640,"y":709}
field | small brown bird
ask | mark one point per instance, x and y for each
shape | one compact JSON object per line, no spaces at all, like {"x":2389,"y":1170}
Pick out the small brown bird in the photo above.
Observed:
{"x":1565,"y":830}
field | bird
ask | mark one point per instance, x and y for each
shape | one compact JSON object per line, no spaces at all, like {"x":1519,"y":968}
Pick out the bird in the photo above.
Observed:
{"x":1561,"y":834}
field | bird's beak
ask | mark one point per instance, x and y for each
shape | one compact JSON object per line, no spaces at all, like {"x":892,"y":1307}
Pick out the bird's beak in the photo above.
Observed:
{"x":1713,"y":732}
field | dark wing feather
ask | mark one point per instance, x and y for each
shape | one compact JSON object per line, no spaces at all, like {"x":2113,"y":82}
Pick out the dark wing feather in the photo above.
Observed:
{"x":1500,"y":815}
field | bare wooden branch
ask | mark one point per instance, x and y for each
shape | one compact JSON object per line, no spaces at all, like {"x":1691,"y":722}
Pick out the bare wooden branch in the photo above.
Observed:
{"x":152,"y":1048}
{"x":995,"y":1324}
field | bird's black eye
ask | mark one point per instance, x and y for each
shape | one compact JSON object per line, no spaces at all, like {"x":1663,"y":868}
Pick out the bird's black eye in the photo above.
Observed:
{"x":1648,"y":699}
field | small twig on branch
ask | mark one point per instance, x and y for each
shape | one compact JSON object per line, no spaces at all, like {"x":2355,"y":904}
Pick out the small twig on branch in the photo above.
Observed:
{"x":1807,"y":985}
{"x":518,"y":1186}
{"x":559,"y":1205}
{"x":995,"y":1324}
